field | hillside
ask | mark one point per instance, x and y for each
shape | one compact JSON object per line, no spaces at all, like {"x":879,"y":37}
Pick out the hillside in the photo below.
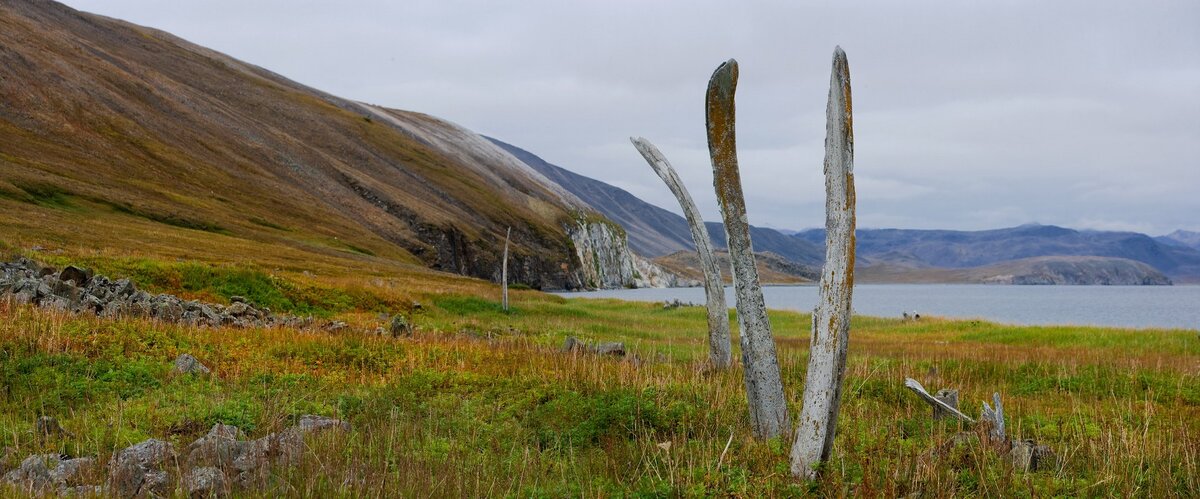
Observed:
{"x":122,"y":139}
{"x":654,"y":231}
{"x":1076,"y":270}
{"x":772,"y":268}
{"x":947,"y":249}
{"x":1186,"y":238}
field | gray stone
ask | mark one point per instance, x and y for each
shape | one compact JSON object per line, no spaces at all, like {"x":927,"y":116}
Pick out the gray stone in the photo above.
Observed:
{"x":72,"y":472}
{"x":187,"y":364}
{"x":237,"y":299}
{"x":399,"y":326}
{"x":206,"y":482}
{"x":79,"y":275}
{"x":138,"y":470}
{"x":220,"y":447}
{"x":238,"y":309}
{"x":34,"y":472}
{"x":616,"y":349}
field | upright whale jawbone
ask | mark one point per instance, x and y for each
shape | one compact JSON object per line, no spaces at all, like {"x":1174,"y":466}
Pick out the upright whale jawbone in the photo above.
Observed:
{"x":831,"y":319}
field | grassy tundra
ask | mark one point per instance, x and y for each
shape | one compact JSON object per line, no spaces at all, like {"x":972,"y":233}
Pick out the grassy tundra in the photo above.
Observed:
{"x":480,"y":402}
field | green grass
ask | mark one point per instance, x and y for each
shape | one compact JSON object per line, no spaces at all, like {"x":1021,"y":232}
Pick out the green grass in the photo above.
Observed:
{"x":480,"y":402}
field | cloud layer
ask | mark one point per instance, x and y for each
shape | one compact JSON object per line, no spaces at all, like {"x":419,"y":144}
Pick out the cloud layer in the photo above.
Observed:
{"x":967,"y":115}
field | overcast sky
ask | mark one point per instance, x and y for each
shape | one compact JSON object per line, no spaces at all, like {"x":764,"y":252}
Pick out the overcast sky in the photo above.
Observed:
{"x":968,"y":115}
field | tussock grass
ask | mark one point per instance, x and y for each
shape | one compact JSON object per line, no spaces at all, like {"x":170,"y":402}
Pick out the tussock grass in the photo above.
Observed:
{"x":480,"y":402}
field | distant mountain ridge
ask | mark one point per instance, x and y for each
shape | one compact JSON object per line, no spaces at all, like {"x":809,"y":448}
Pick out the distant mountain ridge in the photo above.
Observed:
{"x":1186,"y":238}
{"x":966,"y":249}
{"x":654,"y":231}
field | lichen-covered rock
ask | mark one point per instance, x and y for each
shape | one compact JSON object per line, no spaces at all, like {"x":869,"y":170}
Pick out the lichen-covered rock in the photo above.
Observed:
{"x":220,"y":447}
{"x":206,"y":482}
{"x":41,"y":472}
{"x":187,"y":364}
{"x":139,"y":470}
{"x":34,"y":472}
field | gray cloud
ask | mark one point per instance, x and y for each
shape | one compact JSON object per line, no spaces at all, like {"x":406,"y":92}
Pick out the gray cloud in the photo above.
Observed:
{"x":967,"y":115}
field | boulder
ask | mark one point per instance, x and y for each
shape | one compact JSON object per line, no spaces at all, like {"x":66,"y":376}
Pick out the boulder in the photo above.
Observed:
{"x":186,"y":364}
{"x":206,"y":482}
{"x":73,"y":273}
{"x":220,"y":447}
{"x":139,"y":470}
{"x":40,"y":472}
{"x":34,"y":472}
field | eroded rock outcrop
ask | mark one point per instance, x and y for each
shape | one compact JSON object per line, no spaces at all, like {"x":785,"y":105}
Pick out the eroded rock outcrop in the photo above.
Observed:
{"x":605,"y":260}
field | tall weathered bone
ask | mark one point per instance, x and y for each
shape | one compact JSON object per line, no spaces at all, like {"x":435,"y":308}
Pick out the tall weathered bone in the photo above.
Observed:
{"x":831,"y":319}
{"x":764,"y":388}
{"x":504,"y":269}
{"x":719,"y":349}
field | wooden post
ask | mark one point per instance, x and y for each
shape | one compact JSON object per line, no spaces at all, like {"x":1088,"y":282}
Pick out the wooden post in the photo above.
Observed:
{"x":764,"y":388}
{"x":831,"y":319}
{"x":720,"y":353}
{"x":504,"y":270}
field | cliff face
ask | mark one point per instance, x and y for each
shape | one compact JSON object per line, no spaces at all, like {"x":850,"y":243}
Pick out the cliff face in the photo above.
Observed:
{"x":605,"y":260}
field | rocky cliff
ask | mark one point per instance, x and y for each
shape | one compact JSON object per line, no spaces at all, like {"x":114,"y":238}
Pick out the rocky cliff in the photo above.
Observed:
{"x":606,"y":261}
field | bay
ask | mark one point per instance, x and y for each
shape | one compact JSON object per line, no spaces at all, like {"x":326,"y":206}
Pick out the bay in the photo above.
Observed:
{"x":1116,"y":306}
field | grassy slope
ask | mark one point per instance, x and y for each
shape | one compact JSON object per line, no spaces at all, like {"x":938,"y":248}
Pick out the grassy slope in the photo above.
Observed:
{"x":479,"y":401}
{"x":104,"y":116}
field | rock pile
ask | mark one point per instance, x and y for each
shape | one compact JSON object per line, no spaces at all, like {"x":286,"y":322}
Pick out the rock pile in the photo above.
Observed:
{"x":215,"y":465}
{"x":78,"y":290}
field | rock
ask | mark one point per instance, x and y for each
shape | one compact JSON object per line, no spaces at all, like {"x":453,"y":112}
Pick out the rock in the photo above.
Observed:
{"x":615,"y":349}
{"x":399,"y":326}
{"x":47,"y":426}
{"x":237,"y":299}
{"x":72,"y":472}
{"x":238,"y":309}
{"x":206,"y":482}
{"x":34,"y":472}
{"x":1027,"y":455}
{"x":73,"y":273}
{"x":220,"y":447}
{"x":138,"y":470}
{"x":573,"y":344}
{"x":335,"y":326}
{"x":186,"y":364}
{"x":252,"y":462}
